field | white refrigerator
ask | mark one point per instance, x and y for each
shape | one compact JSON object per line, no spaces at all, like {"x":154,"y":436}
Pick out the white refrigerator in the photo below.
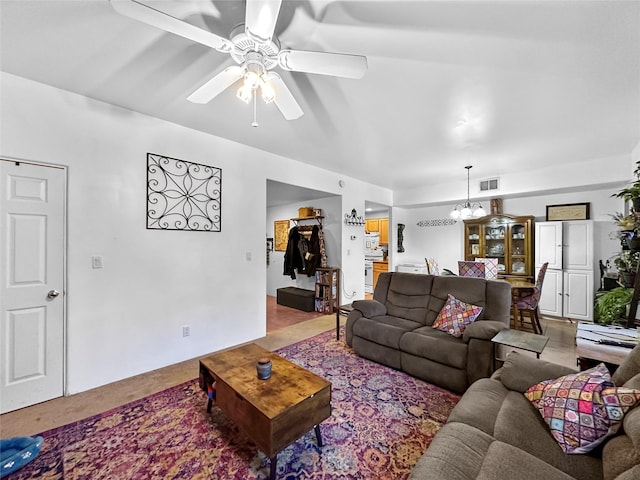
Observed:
{"x":569,"y":286}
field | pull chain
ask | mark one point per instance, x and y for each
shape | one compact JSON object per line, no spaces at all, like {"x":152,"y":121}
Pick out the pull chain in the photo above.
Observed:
{"x":255,"y":110}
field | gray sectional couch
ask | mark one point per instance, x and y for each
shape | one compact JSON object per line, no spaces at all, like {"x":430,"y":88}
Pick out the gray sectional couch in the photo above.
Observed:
{"x":395,"y":328}
{"x":494,"y":433}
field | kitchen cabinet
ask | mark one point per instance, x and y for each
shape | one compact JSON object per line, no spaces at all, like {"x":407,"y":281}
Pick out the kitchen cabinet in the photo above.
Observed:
{"x":568,"y":287}
{"x":384,"y":231}
{"x":378,"y":268}
{"x":507,"y":238}
{"x":380,"y":225}
{"x":372,"y":225}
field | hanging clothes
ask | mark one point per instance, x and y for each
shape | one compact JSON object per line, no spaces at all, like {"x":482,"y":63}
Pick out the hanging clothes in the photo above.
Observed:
{"x":296,"y":255}
{"x":292,"y":258}
{"x":314,"y":259}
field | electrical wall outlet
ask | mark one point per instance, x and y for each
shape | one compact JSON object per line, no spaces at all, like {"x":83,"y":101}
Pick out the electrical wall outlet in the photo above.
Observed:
{"x":97,"y":261}
{"x":186,"y":330}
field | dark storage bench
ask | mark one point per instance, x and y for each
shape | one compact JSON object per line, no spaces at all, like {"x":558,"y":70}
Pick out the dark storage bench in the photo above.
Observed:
{"x":295,"y":297}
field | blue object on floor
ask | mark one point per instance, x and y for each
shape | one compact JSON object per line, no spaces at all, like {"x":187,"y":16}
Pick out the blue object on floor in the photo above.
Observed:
{"x":16,"y":452}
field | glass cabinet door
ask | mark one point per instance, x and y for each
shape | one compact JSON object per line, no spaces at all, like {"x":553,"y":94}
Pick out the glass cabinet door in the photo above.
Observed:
{"x":473,"y":241}
{"x":495,"y":244}
{"x":518,"y":251}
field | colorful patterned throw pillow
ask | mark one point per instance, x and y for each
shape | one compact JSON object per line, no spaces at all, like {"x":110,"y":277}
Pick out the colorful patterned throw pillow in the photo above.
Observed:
{"x":455,"y":316}
{"x":534,"y":394}
{"x":585,"y":408}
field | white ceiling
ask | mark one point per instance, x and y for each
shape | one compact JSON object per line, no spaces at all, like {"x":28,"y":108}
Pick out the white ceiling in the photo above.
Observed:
{"x":500,"y":85}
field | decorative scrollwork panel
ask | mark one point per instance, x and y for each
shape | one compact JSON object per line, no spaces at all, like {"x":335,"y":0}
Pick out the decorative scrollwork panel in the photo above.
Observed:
{"x":183,"y":195}
{"x":438,"y":222}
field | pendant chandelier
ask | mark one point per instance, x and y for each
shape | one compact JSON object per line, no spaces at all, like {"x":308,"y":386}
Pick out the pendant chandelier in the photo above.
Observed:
{"x":466,"y":211}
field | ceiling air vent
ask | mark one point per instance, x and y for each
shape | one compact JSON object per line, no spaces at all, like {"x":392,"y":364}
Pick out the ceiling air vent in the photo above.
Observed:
{"x":489,"y":184}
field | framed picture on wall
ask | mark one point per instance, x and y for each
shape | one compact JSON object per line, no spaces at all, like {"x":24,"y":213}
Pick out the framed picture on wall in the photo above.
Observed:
{"x":569,"y":211}
{"x":281,"y":234}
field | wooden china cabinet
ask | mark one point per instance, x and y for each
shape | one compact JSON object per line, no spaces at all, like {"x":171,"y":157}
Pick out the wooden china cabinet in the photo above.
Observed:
{"x":505,"y":237}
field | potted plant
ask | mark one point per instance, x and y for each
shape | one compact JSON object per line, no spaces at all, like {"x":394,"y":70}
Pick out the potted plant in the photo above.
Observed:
{"x":630,"y":234}
{"x":632,"y":192}
{"x":612,"y":306}
{"x":627,"y":264}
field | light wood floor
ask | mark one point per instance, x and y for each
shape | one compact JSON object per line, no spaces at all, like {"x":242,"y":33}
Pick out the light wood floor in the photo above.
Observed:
{"x":61,"y":411}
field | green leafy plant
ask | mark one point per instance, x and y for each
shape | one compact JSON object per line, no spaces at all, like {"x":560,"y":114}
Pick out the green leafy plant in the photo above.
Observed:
{"x":627,"y":261}
{"x":632,"y":191}
{"x":612,"y":306}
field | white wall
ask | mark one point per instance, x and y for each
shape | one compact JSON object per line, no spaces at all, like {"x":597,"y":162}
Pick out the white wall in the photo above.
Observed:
{"x":332,"y":230}
{"x":445,"y":243}
{"x":126,"y":318}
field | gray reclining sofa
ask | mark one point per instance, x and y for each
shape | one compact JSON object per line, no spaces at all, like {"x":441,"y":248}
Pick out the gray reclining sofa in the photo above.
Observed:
{"x":495,"y":433}
{"x":395,"y":328}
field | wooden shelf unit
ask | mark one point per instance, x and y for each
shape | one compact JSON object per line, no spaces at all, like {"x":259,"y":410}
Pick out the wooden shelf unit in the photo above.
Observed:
{"x":317,"y":218}
{"x":327,"y":290}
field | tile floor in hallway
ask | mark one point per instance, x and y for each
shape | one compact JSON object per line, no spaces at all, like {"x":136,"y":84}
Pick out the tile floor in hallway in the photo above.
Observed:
{"x":288,"y":328}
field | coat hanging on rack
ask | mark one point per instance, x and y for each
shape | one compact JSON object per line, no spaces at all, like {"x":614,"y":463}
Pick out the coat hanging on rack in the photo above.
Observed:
{"x":315,"y":252}
{"x":294,"y":255}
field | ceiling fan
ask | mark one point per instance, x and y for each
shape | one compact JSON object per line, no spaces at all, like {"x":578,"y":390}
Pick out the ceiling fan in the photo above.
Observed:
{"x":256,"y":50}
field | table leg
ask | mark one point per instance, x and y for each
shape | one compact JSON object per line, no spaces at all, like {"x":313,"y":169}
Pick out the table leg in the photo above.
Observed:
{"x":338,"y":324}
{"x":272,"y":467}
{"x":318,"y":435}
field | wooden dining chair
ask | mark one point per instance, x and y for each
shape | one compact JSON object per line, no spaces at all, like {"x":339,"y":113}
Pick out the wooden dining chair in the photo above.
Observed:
{"x":529,"y":303}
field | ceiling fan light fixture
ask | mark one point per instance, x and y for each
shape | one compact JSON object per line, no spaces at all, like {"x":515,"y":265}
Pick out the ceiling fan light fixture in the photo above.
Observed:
{"x":251,"y":79}
{"x":255,"y":48}
{"x":268,"y":93}
{"x":245,"y":93}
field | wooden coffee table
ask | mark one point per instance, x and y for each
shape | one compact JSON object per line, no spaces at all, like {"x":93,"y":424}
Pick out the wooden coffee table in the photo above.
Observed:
{"x":273,"y":412}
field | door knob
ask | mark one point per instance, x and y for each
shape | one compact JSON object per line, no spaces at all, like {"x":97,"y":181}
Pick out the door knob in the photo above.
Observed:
{"x":53,"y":294}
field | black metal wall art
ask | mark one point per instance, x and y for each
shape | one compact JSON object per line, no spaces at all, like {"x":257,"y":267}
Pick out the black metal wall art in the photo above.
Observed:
{"x":182,"y":195}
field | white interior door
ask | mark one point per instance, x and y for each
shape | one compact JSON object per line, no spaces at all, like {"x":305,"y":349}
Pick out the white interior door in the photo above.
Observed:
{"x":32,"y":226}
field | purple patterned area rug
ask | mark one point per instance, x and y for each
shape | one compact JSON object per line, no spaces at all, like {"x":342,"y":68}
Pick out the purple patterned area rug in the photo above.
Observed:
{"x":382,"y":420}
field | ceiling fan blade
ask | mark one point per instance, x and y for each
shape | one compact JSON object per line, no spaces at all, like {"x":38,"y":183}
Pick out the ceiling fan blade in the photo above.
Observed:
{"x":156,"y":18}
{"x":217,"y":85}
{"x":323,"y":63}
{"x":260,"y":19}
{"x":284,"y":98}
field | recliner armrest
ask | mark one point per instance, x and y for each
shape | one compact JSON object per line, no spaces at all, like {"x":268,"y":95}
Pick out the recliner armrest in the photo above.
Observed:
{"x":482,"y":330}
{"x":370,"y":308}
{"x":520,"y":371}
